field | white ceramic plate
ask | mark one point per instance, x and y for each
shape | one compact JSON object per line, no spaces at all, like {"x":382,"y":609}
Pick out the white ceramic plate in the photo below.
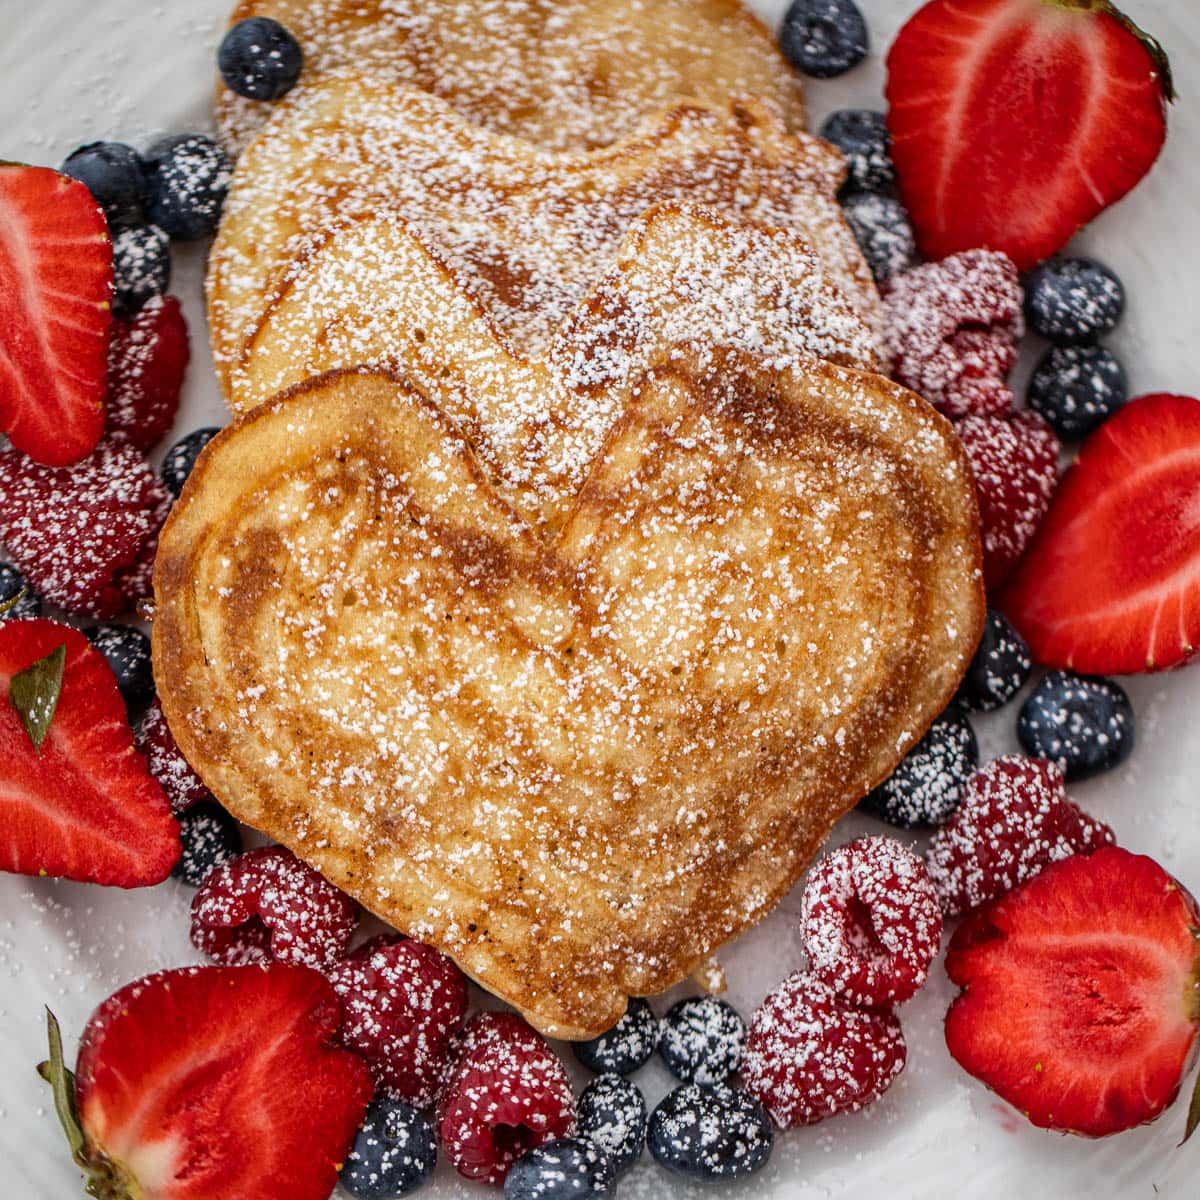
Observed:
{"x":73,"y":71}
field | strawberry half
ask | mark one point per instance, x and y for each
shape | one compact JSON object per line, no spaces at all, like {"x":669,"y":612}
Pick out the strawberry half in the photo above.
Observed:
{"x":1081,"y":993}
{"x":56,"y":286}
{"x":83,"y":806}
{"x":1111,"y":585}
{"x":1016,"y":122}
{"x":212,"y":1082}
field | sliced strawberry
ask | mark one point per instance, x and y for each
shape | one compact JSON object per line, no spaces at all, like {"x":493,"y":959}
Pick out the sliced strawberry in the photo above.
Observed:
{"x":1081,"y":993}
{"x":56,"y":285}
{"x":1112,"y":583}
{"x":147,"y":361}
{"x":1015,"y":122}
{"x":214,"y":1082}
{"x":83,"y":806}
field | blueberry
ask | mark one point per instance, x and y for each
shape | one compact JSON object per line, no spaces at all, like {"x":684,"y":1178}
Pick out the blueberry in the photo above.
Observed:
{"x":926,"y":789}
{"x":702,"y":1040}
{"x":188,"y":181}
{"x":563,"y":1170}
{"x":12,"y":584}
{"x":260,"y":59}
{"x":1073,"y":301}
{"x":181,"y":458}
{"x":141,"y":267}
{"x":1077,"y":388}
{"x":883,"y":232}
{"x":210,"y":837}
{"x":1000,"y":667}
{"x":823,"y":38}
{"x":128,"y":653}
{"x":626,"y":1046}
{"x":710,"y":1133}
{"x":612,"y":1114}
{"x":114,"y":174}
{"x":1082,"y":722}
{"x":394,"y":1152}
{"x":862,"y":136}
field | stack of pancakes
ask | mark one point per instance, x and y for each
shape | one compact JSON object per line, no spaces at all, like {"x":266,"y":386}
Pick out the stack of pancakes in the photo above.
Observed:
{"x":566,"y":572}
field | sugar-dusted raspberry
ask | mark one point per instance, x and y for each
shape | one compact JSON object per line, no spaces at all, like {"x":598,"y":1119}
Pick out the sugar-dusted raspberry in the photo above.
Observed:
{"x":403,"y":1003}
{"x":1015,"y":460}
{"x":809,"y":1055}
{"x":147,"y":360}
{"x":1014,"y":821}
{"x":167,"y":764}
{"x":77,"y":532}
{"x":871,"y":922}
{"x":953,"y":328}
{"x":505,"y":1094}
{"x":266,"y":904}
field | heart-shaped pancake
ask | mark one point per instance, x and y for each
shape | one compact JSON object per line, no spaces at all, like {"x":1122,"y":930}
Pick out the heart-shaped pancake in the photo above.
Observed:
{"x":576,"y":765}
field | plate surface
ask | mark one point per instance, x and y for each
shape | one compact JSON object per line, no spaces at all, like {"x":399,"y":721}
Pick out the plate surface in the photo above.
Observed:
{"x":73,"y":71}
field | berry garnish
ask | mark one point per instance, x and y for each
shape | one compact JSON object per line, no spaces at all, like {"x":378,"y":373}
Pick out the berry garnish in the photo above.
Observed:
{"x":1000,"y":668}
{"x":1073,"y":301}
{"x":506,"y":1093}
{"x":953,"y":328}
{"x":181,"y":458}
{"x":141,"y":257}
{"x":56,"y":292}
{"x":810,"y":1056}
{"x":1013,"y":822}
{"x":18,"y":601}
{"x":709,"y":1133}
{"x":927,"y":786}
{"x":210,"y":838}
{"x":701,"y":1040}
{"x":188,"y":178}
{"x":127,"y":652}
{"x":561,"y":1170}
{"x":862,"y":136}
{"x":1014,"y":122}
{"x":78,"y":804}
{"x":394,"y":1152}
{"x":211,"y":1081}
{"x":624,"y":1047}
{"x":871,"y":922}
{"x":167,"y":764}
{"x":823,"y":38}
{"x":260,"y":59}
{"x":1081,"y":993}
{"x":612,"y":1114}
{"x":1108,"y":587}
{"x":880,"y":226}
{"x":112,"y":172}
{"x":1083,"y":723}
{"x":267,"y":905}
{"x":1077,"y":388}
{"x":1015,"y":460}
{"x":404,"y":1003}
{"x":78,"y":532}
{"x":146,"y":365}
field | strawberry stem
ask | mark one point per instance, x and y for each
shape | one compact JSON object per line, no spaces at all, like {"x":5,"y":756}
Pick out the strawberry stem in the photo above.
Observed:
{"x":1153,"y":46}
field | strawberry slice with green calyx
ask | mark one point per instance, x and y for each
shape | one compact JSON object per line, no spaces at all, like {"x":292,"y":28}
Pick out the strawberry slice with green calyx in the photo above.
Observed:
{"x":1111,"y":584}
{"x":212,"y":1081}
{"x":56,"y":286}
{"x":1015,"y":122}
{"x":1080,"y":999}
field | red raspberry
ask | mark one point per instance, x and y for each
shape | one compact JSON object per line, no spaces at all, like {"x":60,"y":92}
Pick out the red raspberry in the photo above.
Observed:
{"x":267,"y":905}
{"x":1015,"y":460}
{"x":871,"y":922}
{"x":953,"y":327}
{"x":1015,"y":819}
{"x":505,"y":1094}
{"x":403,"y":1002}
{"x":147,"y":360}
{"x":167,"y":764}
{"x":808,"y":1056}
{"x":79,"y":534}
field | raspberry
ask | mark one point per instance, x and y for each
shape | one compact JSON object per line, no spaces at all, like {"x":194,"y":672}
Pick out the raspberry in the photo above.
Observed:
{"x":953,"y":327}
{"x":147,"y":359}
{"x":80,"y":534}
{"x":809,"y":1056}
{"x":403,"y":1003}
{"x":505,"y":1094}
{"x":1015,"y":460}
{"x":266,"y":904}
{"x":167,"y":764}
{"x":1014,"y":821}
{"x":871,"y":922}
